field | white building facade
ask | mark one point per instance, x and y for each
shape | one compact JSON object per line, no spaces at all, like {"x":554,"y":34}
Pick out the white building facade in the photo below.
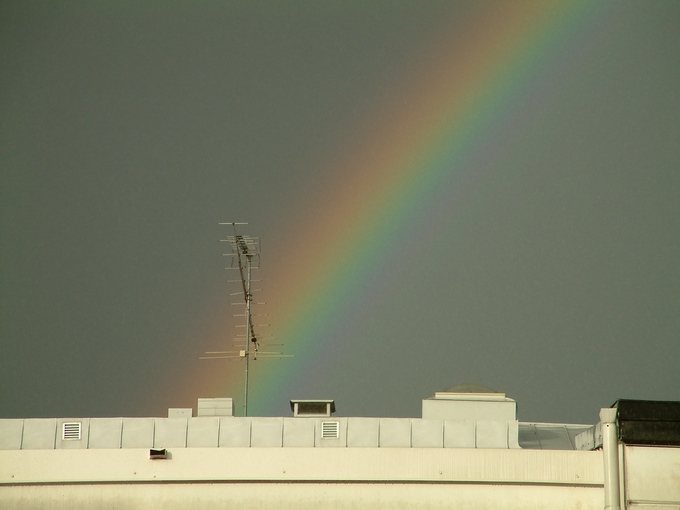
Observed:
{"x":467,"y":451}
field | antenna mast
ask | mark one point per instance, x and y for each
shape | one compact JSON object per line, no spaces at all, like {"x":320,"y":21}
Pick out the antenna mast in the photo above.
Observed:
{"x":245,"y":256}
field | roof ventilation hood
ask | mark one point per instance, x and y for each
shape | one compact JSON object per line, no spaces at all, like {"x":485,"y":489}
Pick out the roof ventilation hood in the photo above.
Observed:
{"x":312,"y":408}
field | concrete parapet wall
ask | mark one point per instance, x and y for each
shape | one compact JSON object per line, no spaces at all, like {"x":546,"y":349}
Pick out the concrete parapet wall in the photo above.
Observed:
{"x":303,"y":464}
{"x":221,"y":431}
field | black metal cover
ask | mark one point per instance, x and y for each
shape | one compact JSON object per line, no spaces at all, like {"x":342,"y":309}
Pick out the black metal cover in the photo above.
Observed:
{"x":647,"y":422}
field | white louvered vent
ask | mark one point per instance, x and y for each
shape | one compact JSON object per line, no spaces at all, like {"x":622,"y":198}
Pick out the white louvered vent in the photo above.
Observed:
{"x":71,"y":431}
{"x":330,"y":429}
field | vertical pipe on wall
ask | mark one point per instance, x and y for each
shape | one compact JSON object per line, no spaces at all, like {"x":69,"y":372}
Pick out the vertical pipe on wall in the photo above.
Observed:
{"x":610,"y":453}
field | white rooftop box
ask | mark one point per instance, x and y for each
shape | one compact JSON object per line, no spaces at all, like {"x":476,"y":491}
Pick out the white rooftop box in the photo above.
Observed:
{"x":215,"y":407}
{"x":470,"y":402}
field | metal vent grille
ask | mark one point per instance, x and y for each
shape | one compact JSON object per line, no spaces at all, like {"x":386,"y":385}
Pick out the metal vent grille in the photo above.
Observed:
{"x":330,"y":430}
{"x":71,"y":431}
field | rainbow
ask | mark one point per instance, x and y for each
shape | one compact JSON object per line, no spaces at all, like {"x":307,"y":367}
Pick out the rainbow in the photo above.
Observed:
{"x":413,"y":152}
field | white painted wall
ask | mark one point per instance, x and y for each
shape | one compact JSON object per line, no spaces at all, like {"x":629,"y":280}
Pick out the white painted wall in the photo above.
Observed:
{"x":652,"y":477}
{"x":301,"y":478}
{"x":310,"y":477}
{"x":301,"y":496}
{"x":303,"y":464}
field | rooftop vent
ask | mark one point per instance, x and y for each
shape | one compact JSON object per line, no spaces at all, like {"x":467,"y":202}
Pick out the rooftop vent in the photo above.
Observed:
{"x":330,"y":430}
{"x":71,"y":431}
{"x":312,"y":408}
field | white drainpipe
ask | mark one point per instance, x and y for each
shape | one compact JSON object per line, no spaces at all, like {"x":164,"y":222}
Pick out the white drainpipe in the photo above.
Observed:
{"x":610,"y":452}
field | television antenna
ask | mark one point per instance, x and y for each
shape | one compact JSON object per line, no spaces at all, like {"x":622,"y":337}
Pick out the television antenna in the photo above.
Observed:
{"x":245,"y":257}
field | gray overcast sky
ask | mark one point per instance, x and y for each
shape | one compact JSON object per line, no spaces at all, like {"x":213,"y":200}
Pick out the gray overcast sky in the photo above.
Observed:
{"x":548,"y":269}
